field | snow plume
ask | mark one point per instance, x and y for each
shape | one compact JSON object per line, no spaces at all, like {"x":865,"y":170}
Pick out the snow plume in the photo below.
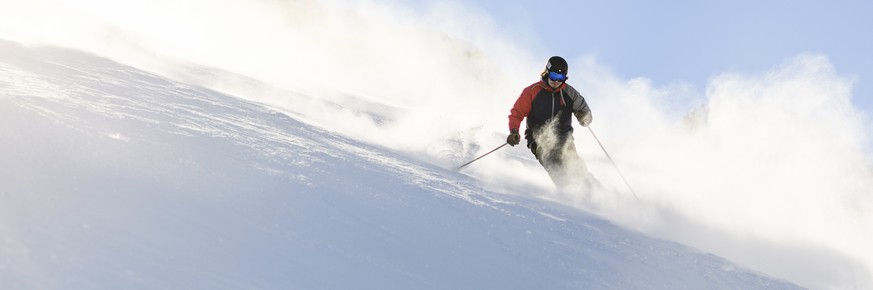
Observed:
{"x":436,"y":82}
{"x":400,"y":77}
{"x":769,"y":170}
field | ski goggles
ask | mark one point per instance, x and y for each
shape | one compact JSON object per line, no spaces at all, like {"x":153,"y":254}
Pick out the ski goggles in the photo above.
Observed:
{"x":558,"y":77}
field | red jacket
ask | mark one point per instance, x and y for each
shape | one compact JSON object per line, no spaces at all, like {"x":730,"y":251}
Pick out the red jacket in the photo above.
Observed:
{"x":539,"y":102}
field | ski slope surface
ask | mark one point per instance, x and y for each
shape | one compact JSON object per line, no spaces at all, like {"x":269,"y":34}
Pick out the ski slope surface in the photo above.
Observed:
{"x":116,"y":178}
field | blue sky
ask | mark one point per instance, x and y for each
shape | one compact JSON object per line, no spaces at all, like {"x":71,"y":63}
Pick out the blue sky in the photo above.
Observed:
{"x":691,"y":41}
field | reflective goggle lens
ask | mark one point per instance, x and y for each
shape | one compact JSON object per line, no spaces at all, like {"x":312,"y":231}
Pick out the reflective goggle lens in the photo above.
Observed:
{"x":557,"y":76}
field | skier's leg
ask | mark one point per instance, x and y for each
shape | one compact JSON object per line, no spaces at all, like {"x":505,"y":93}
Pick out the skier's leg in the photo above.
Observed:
{"x":573,"y":171}
{"x":547,"y":158}
{"x":560,"y":161}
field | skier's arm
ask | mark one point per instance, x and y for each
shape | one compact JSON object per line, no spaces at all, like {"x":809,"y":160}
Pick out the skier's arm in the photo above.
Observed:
{"x":520,"y":109}
{"x":580,"y":107}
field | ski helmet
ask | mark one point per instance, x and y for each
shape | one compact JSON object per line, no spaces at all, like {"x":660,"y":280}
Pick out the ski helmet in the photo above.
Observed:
{"x":557,"y":64}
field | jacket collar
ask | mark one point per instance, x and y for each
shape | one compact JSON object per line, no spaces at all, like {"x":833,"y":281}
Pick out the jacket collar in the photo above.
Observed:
{"x":545,"y":84}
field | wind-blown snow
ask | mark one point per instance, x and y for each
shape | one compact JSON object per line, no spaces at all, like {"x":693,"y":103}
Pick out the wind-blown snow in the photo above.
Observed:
{"x":768,"y":169}
{"x":114,"y":178}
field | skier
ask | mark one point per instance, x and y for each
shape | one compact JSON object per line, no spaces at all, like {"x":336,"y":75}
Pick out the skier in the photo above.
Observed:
{"x":549,"y":105}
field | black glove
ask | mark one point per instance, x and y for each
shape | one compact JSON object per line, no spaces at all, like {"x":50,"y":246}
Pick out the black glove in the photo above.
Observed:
{"x":513,"y":137}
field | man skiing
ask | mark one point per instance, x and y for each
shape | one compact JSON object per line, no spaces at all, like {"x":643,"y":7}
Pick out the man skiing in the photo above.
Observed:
{"x":549,"y":105}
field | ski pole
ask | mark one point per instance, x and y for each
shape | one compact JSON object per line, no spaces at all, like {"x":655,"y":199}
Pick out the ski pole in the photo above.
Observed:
{"x":613,"y":163}
{"x":480,"y":157}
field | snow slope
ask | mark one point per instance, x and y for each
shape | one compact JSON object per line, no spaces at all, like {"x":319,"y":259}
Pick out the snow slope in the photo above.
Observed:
{"x":115,"y":178}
